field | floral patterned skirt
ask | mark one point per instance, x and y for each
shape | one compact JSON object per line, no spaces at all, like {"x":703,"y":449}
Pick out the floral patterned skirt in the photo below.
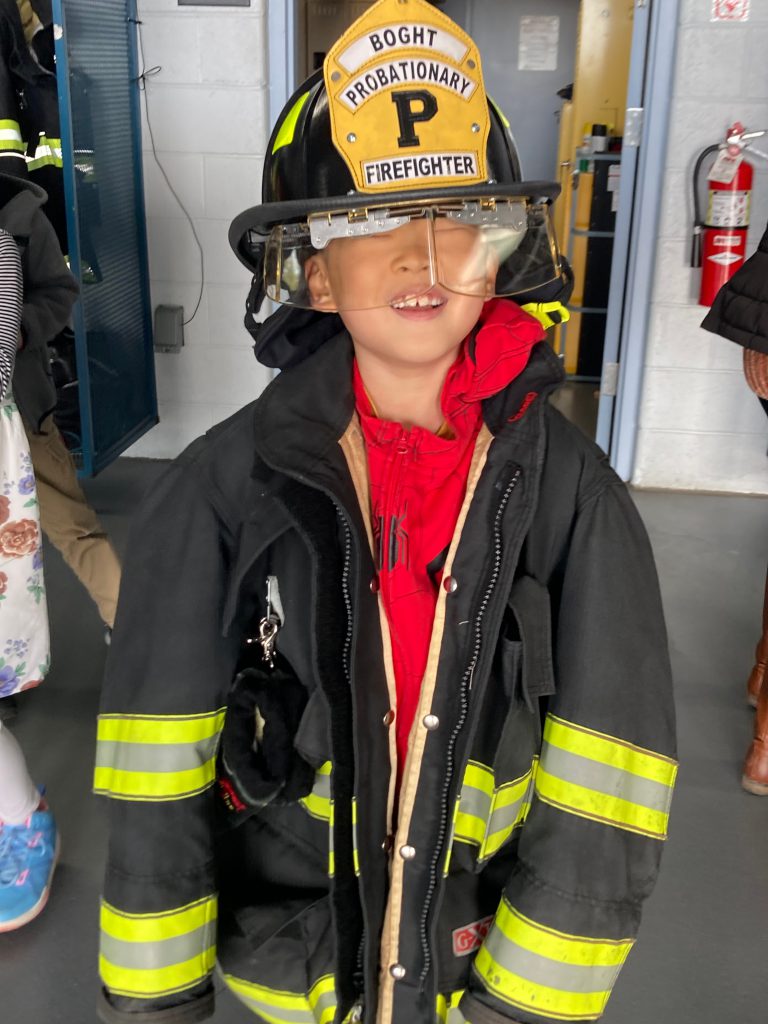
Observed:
{"x":24,"y":641}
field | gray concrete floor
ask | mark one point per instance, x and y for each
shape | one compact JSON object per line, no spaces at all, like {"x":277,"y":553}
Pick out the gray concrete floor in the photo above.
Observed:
{"x":701,"y":956}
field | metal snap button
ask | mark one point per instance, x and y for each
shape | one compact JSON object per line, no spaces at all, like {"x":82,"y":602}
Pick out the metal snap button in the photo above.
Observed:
{"x":407,"y":852}
{"x":397,"y":971}
{"x":389,"y":717}
{"x":451,"y":584}
{"x":431,"y":722}
{"x":374,"y":585}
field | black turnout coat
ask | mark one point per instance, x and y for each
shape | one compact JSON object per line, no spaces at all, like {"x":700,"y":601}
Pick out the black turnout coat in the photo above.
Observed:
{"x":533,"y":809}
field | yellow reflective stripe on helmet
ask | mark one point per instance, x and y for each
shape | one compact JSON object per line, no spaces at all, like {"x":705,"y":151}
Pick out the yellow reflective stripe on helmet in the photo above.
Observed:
{"x":604,"y":778}
{"x":502,"y":116}
{"x":318,"y":803}
{"x":148,"y":955}
{"x":548,"y":972}
{"x":156,"y":757}
{"x":277,"y":1006}
{"x":542,"y":311}
{"x":488,"y":814}
{"x":285,"y":135}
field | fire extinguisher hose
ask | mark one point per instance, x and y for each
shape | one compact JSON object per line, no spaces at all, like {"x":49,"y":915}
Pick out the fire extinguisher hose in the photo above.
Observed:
{"x":698,"y":222}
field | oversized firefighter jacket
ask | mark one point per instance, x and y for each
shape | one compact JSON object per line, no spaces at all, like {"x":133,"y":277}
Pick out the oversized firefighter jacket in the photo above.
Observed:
{"x":535,"y":797}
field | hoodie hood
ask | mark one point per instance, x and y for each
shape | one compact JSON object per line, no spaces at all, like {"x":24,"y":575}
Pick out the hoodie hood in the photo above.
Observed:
{"x":19,"y":201}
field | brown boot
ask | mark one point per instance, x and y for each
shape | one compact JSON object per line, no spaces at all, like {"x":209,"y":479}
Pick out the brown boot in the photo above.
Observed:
{"x":757,"y":675}
{"x":755,"y":777}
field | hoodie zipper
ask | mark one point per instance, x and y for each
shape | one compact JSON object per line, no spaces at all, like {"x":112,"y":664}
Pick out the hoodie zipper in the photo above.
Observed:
{"x":464,"y":697}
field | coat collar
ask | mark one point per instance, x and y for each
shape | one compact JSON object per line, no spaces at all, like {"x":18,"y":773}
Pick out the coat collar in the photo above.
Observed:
{"x":304,"y":412}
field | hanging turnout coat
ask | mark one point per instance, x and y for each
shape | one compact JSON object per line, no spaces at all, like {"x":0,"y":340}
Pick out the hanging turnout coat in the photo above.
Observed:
{"x":534,"y":802}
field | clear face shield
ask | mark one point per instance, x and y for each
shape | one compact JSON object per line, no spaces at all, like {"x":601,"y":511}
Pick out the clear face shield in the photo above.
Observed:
{"x":411,"y":255}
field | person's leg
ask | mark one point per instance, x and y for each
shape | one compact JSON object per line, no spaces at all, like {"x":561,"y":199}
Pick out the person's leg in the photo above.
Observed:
{"x":18,"y":794}
{"x":70,"y":523}
{"x":757,"y":675}
{"x":29,"y":842}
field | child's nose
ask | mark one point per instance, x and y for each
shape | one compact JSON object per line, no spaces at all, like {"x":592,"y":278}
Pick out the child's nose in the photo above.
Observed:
{"x":414,"y":251}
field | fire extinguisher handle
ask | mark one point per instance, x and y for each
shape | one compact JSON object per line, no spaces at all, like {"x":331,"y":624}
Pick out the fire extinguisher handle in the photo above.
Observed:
{"x":696,"y":246}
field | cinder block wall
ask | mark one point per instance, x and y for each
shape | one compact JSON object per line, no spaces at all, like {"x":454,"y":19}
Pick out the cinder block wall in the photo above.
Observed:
{"x":207,"y":108}
{"x":700,"y":426}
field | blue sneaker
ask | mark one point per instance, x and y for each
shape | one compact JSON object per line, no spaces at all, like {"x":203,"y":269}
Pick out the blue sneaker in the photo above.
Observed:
{"x":28,"y":855}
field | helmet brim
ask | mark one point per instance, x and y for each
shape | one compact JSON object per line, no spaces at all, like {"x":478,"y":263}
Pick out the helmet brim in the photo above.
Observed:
{"x":261,"y":219}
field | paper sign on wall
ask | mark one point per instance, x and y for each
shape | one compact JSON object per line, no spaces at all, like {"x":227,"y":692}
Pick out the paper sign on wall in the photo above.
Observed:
{"x":730,"y":10}
{"x":539,"y":37}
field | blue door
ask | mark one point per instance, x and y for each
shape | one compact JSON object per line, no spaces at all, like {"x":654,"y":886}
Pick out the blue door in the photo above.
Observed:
{"x":97,"y":68}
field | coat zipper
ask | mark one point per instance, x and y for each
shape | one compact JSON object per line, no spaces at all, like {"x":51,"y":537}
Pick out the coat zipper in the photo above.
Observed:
{"x":464,"y":696}
{"x":359,"y":977}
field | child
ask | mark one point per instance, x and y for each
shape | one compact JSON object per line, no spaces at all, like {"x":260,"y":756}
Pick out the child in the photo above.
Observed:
{"x":28,"y":839}
{"x":411,"y":607}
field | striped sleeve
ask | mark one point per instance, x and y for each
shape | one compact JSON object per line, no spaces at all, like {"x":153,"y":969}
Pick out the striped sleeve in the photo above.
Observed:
{"x":162,"y":713}
{"x":10,"y":308}
{"x":590,"y":848}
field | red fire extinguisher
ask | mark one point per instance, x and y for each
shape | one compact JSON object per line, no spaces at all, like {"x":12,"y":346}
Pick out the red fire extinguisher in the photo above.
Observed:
{"x":720,"y":241}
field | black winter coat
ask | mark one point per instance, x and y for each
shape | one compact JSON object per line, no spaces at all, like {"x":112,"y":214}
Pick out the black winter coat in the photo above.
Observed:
{"x":50,"y":291}
{"x":534,"y":803}
{"x":740,"y":310}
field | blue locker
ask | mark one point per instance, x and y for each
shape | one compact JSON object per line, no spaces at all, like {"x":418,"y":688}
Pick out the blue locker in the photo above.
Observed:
{"x":97,"y":73}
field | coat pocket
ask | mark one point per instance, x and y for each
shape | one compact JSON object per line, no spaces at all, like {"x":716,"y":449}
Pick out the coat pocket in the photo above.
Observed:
{"x":498,"y":779}
{"x":530,"y":605}
{"x":279,"y":959}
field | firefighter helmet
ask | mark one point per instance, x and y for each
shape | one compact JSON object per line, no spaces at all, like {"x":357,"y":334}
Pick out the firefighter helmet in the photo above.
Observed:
{"x":397,"y":126}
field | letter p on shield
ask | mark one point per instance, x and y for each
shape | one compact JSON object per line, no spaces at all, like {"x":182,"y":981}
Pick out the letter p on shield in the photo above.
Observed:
{"x":407,"y":116}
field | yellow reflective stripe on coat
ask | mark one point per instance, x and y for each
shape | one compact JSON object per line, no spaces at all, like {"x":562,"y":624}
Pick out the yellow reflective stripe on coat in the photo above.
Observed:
{"x":447,"y":1009}
{"x":10,"y":136}
{"x":47,"y":154}
{"x":156,"y":757}
{"x":318,"y":803}
{"x":149,"y":955}
{"x":604,"y":778}
{"x":547,"y":972}
{"x":488,"y":814}
{"x":277,"y":1006}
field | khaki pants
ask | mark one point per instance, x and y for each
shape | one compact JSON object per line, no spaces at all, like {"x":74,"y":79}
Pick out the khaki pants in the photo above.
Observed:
{"x":70,"y":523}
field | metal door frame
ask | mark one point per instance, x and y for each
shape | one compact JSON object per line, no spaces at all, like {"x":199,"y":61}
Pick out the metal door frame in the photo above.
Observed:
{"x":654,"y":46}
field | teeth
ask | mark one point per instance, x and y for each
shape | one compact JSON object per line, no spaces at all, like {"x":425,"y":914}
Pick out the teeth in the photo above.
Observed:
{"x":418,"y":302}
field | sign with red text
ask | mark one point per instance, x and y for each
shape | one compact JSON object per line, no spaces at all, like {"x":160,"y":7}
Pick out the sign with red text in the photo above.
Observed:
{"x":730,"y":10}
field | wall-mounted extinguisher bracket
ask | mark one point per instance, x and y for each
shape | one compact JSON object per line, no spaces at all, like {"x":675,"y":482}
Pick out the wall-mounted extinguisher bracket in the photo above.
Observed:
{"x":720,"y":237}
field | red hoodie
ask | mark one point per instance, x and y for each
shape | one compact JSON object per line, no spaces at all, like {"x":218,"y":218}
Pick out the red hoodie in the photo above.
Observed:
{"x":418,"y":481}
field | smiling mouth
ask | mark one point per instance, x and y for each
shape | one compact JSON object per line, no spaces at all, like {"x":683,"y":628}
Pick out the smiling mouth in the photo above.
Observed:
{"x":428,"y":301}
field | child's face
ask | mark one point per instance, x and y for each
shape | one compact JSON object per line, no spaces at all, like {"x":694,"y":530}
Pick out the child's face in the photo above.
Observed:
{"x":368,"y":281}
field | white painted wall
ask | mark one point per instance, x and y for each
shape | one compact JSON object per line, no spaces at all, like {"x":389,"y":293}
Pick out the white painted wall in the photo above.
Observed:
{"x":208,"y":109}
{"x":700,"y":426}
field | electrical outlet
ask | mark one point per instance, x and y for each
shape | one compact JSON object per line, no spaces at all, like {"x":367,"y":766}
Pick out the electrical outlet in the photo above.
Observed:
{"x":169,"y":328}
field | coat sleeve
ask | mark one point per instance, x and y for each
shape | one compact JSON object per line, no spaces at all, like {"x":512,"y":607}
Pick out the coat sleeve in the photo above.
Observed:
{"x":168,"y":674}
{"x":50,"y":290}
{"x":589,"y":851}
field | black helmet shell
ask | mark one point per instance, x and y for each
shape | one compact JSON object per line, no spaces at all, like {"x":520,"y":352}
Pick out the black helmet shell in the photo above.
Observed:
{"x":305,"y":173}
